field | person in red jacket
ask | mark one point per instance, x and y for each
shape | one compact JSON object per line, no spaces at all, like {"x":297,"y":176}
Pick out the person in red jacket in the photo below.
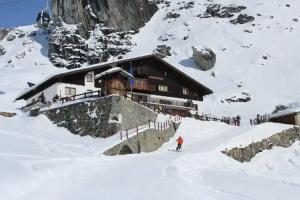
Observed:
{"x":179,"y":143}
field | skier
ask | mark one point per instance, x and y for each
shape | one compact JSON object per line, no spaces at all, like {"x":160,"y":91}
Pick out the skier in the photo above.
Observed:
{"x":179,"y":143}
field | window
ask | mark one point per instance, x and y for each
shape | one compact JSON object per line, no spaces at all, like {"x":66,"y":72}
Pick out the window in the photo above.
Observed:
{"x":89,"y":78}
{"x":163,"y":88}
{"x":185,"y":91}
{"x":70,"y":91}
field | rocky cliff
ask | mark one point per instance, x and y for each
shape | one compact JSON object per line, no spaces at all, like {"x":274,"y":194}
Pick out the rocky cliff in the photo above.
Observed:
{"x":120,"y":14}
{"x":90,"y":31}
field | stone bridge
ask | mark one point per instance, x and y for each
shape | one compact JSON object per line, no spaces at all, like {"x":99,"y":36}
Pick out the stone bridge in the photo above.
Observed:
{"x":147,"y":141}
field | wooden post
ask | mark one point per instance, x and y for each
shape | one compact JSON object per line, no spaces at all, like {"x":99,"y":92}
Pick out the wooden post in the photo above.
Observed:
{"x":149,"y":124}
{"x":121,"y":135}
{"x":85,"y":95}
{"x":127,"y":133}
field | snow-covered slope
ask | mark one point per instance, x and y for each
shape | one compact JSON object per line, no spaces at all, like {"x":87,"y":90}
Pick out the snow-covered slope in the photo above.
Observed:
{"x":46,"y":162}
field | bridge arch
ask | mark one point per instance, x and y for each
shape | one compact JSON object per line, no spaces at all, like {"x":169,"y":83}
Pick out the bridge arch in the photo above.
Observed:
{"x":125,"y":149}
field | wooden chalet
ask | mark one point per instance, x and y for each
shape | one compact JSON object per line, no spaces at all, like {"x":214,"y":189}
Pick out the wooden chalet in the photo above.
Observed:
{"x":148,"y":80}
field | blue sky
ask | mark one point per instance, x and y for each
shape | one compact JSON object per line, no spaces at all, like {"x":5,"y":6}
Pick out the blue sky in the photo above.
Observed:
{"x":19,"y":12}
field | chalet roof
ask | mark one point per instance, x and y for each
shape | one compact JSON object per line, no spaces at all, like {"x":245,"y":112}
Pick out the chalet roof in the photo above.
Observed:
{"x":114,"y":70}
{"x":35,"y":89}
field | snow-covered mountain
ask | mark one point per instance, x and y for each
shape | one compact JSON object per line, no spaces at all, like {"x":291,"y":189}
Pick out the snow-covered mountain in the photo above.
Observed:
{"x":257,"y":59}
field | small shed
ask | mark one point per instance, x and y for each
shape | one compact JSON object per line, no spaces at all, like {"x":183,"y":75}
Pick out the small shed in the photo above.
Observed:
{"x":288,"y":116}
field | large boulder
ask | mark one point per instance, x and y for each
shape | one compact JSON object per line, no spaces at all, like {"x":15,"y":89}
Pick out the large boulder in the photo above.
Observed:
{"x":205,"y":58}
{"x":2,"y":50}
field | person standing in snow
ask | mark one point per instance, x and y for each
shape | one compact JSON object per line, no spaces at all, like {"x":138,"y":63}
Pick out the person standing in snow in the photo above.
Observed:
{"x":238,"y":120}
{"x":179,"y":143}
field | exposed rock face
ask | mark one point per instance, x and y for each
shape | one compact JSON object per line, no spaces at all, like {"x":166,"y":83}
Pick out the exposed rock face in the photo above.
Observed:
{"x":2,"y":50}
{"x":283,"y":139}
{"x":244,"y":97}
{"x":217,"y":10}
{"x":204,"y":58}
{"x":68,"y":48}
{"x":3,"y":33}
{"x":163,"y":51}
{"x":120,"y":14}
{"x":172,"y":15}
{"x":7,"y":114}
{"x":242,"y":19}
{"x":102,"y":117}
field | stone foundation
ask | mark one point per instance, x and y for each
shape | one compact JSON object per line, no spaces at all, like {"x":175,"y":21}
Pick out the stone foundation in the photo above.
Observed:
{"x":102,"y":117}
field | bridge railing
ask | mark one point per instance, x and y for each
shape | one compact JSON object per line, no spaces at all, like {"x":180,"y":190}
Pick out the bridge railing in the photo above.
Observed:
{"x":160,"y":126}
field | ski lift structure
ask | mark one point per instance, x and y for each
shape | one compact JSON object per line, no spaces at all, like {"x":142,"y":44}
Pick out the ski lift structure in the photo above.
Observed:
{"x":43,"y":18}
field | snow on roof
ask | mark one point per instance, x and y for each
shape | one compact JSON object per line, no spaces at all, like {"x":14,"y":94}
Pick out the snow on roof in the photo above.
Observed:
{"x":114,"y":70}
{"x":292,"y":108}
{"x":105,"y":64}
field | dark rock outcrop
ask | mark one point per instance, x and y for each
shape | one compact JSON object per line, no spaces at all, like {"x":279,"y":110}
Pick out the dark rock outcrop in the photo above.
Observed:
{"x":172,"y":15}
{"x":2,"y":50}
{"x":245,"y":97}
{"x":163,"y":51}
{"x":3,"y":33}
{"x":119,"y":14}
{"x":242,"y":19}
{"x":204,"y":58}
{"x":217,"y":10}
{"x":280,"y":108}
{"x":11,"y":37}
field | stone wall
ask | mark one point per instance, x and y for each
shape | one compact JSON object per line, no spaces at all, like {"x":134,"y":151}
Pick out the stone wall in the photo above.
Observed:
{"x":283,"y":139}
{"x":147,"y":141}
{"x":101,"y":117}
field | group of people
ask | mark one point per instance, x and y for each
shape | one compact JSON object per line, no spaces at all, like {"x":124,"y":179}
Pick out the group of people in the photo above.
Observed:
{"x":259,"y":119}
{"x":235,"y":121}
